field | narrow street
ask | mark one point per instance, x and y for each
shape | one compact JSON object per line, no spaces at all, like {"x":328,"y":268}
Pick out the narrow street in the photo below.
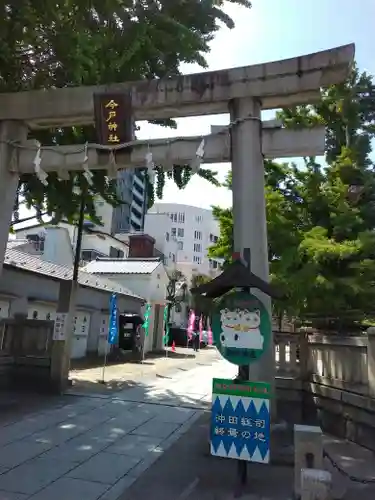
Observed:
{"x":99,"y":444}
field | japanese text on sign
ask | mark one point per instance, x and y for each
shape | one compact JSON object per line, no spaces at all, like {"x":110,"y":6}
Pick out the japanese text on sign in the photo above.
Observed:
{"x":113,"y":118}
{"x":244,"y":421}
{"x":111,"y":121}
{"x":238,"y":433}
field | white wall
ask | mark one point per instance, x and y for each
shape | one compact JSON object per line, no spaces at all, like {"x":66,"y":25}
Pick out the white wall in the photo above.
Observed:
{"x":58,"y":238}
{"x":57,"y":246}
{"x":39,"y":293}
{"x":153,"y":288}
{"x":194,"y":227}
{"x":105,"y":212}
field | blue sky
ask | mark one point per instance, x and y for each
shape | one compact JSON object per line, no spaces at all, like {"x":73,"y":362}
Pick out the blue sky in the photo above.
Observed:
{"x":271,"y":30}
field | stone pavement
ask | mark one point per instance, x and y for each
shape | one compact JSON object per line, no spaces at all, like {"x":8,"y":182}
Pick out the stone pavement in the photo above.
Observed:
{"x":150,"y":440}
{"x":124,"y":375}
{"x":99,"y":444}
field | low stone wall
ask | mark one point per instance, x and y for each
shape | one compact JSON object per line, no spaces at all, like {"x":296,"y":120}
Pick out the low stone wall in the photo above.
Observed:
{"x":340,"y":412}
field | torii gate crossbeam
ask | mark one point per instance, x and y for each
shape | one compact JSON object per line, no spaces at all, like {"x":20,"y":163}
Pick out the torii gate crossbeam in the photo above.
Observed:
{"x":276,"y":143}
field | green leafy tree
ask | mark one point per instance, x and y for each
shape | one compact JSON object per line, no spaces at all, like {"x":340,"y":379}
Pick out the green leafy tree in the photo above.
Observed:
{"x":63,"y":44}
{"x":321,"y":218}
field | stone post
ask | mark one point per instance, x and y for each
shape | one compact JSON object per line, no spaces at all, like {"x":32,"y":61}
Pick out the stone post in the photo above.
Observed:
{"x":304,"y":357}
{"x":61,"y":349}
{"x":9,"y":131}
{"x":316,"y":484}
{"x":308,"y":452}
{"x":249,"y":209}
{"x":371,"y":361}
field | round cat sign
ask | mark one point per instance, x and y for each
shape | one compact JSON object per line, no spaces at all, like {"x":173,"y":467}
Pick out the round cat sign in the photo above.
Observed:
{"x":241,"y":327}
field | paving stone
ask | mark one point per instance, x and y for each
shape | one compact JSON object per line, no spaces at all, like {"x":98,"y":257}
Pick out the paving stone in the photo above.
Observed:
{"x":16,"y":453}
{"x":105,"y":468}
{"x":155,"y":428}
{"x":68,"y":488}
{"x":6,"y":495}
{"x":89,"y":420}
{"x":118,"y":426}
{"x":61,"y":433}
{"x":78,"y":449}
{"x":32,"y":476}
{"x":135,"y":446}
{"x":116,"y":492}
{"x":116,"y":407}
{"x":145,"y":464}
{"x":175,"y":415}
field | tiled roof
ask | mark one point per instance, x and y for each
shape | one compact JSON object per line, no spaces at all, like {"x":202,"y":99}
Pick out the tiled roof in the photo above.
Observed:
{"x":123,"y":266}
{"x":16,"y":243}
{"x":28,"y":262}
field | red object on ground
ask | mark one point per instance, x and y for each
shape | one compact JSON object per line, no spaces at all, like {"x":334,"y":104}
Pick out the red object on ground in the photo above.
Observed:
{"x":174,"y":346}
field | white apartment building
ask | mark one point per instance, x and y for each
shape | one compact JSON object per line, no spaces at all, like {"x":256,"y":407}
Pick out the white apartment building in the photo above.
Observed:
{"x":184,"y":233}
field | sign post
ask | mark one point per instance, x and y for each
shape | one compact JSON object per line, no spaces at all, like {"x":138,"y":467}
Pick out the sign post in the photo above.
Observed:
{"x":242,"y":329}
{"x":112,"y":331}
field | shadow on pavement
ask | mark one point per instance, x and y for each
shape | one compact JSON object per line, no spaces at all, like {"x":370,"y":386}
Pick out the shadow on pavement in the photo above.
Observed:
{"x":188,"y":471}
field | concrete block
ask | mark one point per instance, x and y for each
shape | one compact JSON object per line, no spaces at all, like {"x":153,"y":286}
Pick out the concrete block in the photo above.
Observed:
{"x":308,"y":452}
{"x":316,"y":484}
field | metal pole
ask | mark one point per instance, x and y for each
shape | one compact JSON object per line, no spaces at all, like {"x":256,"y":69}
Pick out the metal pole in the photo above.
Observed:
{"x":77,"y":254}
{"x":167,"y":329}
{"x":102,"y":381}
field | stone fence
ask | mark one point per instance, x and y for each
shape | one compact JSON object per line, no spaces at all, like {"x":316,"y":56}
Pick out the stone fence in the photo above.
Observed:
{"x":25,"y":352}
{"x":329,"y":378}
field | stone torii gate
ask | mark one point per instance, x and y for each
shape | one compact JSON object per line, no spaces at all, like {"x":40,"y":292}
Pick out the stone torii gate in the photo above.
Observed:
{"x":241,"y":91}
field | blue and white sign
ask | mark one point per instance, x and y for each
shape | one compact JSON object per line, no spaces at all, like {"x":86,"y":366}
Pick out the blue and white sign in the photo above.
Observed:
{"x":113,"y":323}
{"x":240,"y":420}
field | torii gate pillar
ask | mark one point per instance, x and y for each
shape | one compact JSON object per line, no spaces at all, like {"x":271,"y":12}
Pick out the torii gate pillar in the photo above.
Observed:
{"x":249,"y":207}
{"x":9,"y":131}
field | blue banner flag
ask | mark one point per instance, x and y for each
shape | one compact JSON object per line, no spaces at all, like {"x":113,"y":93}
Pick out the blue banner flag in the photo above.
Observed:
{"x":113,"y":324}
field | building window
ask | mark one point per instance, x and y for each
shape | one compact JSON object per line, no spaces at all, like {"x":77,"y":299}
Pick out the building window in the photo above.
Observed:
{"x":173,"y":217}
{"x":197,"y":259}
{"x":198,"y":218}
{"x":173,"y":232}
{"x":180,"y":232}
{"x":197,"y":235}
{"x":213,"y":264}
{"x":213,"y":238}
{"x":35,"y":314}
{"x":181,"y":217}
{"x":197,"y":247}
{"x":180,"y":245}
{"x":166,"y":236}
